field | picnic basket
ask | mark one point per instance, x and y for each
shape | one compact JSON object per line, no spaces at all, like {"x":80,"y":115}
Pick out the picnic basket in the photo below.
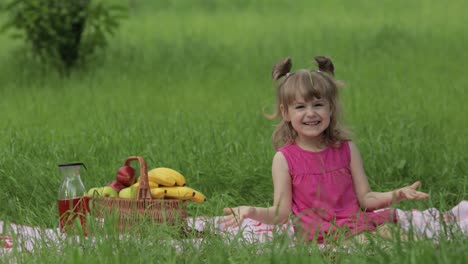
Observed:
{"x":132,"y":212}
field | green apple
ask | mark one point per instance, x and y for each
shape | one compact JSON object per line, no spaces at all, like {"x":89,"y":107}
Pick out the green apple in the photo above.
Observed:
{"x":129,"y":192}
{"x":96,"y":191}
{"x":108,"y":191}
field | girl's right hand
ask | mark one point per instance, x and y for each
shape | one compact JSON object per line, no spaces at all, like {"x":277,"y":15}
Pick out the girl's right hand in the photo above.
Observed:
{"x":410,"y":193}
{"x":236,"y":215}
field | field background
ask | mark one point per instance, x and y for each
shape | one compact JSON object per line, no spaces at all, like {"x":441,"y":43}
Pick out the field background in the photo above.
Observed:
{"x":185,"y":84}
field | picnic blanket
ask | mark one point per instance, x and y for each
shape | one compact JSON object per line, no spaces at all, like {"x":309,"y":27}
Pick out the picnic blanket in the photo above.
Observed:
{"x":430,"y":223}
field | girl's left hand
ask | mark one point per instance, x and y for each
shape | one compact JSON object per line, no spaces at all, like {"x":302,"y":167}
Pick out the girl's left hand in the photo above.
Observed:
{"x":410,"y":193}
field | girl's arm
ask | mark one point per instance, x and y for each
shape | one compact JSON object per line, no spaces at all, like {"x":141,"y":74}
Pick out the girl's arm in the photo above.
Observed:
{"x":281,"y":209}
{"x":370,"y":200}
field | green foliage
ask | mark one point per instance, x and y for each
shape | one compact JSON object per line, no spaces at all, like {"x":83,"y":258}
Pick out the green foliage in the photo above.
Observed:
{"x":190,"y":96}
{"x":64,"y":32}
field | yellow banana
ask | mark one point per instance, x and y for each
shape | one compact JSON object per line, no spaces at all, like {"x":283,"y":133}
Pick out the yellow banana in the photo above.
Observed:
{"x":152,"y":184}
{"x":157,"y":193}
{"x":179,"y":192}
{"x":198,"y":197}
{"x":167,"y":172}
{"x":161,"y":177}
{"x":149,"y":180}
{"x":178,"y":177}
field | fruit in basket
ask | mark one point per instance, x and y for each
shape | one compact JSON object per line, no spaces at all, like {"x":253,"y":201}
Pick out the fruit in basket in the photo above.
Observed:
{"x":179,"y":178}
{"x":183,"y":193}
{"x":160,"y":178}
{"x":178,"y":192}
{"x":108,"y":191}
{"x":150,"y":181}
{"x":198,"y":197}
{"x":117,"y":186}
{"x":129,"y":192}
{"x":166,"y":177}
{"x":105,"y":191}
{"x":96,"y":191}
{"x":151,"y":184}
{"x":157,"y":193}
{"x":125,"y":175}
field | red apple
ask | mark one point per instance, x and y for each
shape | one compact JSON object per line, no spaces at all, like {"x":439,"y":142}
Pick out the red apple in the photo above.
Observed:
{"x":116,"y":185}
{"x":125,"y":175}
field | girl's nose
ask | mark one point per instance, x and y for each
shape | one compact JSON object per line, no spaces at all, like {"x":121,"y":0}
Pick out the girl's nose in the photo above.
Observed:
{"x":310,"y":111}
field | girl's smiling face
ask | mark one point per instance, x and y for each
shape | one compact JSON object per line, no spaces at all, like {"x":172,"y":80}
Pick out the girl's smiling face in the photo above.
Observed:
{"x":309,"y":118}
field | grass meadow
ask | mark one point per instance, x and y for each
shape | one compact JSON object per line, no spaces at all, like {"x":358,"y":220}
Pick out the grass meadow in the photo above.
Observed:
{"x":185,"y":84}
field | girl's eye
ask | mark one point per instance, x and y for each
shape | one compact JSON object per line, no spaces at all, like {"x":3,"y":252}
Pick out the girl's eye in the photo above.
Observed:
{"x":318,"y":105}
{"x":299,"y":106}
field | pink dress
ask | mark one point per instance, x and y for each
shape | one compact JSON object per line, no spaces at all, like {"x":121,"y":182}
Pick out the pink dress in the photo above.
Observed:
{"x":323,"y":196}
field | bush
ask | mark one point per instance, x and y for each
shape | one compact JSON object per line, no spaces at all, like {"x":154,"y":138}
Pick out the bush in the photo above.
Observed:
{"x":63,"y":32}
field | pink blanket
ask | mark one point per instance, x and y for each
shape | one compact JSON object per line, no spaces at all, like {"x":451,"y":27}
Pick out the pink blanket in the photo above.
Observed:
{"x":429,"y":223}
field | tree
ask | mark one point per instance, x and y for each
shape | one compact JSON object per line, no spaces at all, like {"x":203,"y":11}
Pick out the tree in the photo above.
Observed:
{"x":63,"y":32}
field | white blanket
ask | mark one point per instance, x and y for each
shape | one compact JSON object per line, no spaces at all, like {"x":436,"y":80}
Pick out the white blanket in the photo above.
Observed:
{"x":429,"y":223}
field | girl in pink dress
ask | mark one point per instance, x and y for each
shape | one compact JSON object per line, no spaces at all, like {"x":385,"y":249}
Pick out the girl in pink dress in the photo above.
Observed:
{"x":317,"y":170}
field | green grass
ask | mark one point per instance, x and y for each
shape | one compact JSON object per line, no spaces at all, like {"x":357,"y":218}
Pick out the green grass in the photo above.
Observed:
{"x":184,"y":84}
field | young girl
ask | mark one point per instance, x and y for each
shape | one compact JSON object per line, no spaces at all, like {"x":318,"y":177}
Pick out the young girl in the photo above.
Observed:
{"x":317,"y":170}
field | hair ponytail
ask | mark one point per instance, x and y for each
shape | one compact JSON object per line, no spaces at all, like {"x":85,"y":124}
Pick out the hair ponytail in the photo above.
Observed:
{"x":325,"y":64}
{"x":281,"y":68}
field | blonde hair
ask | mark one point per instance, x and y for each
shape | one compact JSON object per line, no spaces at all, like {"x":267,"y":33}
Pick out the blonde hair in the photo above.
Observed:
{"x":308,"y":84}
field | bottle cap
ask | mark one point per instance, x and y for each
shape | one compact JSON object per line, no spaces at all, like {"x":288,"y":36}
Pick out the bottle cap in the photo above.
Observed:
{"x":72,"y":164}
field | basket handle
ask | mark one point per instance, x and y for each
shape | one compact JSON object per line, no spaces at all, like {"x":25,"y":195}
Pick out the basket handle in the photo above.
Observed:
{"x":143,"y":188}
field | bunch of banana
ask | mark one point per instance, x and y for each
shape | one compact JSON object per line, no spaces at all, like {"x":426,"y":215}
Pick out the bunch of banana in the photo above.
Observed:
{"x":184,"y":193}
{"x":171,"y":184}
{"x":156,"y":192}
{"x":151,"y":184}
{"x":166,"y":177}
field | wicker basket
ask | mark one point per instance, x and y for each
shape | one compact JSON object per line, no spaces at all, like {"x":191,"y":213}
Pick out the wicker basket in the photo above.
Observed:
{"x":132,"y":212}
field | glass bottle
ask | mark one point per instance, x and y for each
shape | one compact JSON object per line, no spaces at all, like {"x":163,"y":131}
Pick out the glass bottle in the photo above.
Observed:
{"x":73,"y":204}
